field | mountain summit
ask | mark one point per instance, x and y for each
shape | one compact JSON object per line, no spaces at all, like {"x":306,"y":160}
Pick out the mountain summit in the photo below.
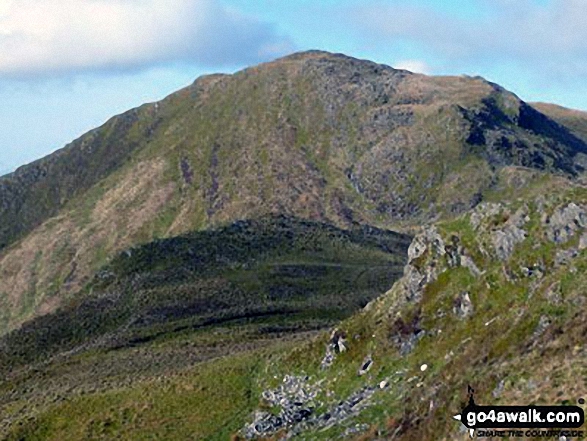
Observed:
{"x":314,"y":135}
{"x":172,"y":273}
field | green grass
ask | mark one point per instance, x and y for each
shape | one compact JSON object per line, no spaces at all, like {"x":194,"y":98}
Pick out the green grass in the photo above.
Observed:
{"x":129,"y":355}
{"x":467,"y":351}
{"x":207,"y":402}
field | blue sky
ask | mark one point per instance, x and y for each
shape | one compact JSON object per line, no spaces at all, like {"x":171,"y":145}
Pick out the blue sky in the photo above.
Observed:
{"x":66,"y":66}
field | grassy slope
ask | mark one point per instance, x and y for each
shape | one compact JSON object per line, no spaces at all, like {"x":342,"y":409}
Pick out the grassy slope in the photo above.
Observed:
{"x":204,"y":403}
{"x":314,"y":135}
{"x":498,"y":343}
{"x":163,"y":308}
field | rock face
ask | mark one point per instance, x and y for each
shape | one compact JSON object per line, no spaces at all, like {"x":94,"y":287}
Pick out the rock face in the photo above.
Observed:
{"x":406,"y":335}
{"x":457,"y":256}
{"x":542,"y":326}
{"x":336,"y":345}
{"x":366,"y":365}
{"x":565,"y":222}
{"x":564,"y":257}
{"x":295,"y":399}
{"x":427,"y":244}
{"x":463,"y":306}
{"x":508,"y":236}
{"x":428,"y":256}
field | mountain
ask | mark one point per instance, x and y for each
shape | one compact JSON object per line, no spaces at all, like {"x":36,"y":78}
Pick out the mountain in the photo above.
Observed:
{"x":492,"y":299}
{"x":158,"y":309}
{"x":575,"y":120}
{"x":318,"y":247}
{"x":284,"y":272}
{"x":314,"y":135}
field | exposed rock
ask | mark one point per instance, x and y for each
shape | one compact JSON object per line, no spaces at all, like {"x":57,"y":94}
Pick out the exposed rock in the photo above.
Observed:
{"x":356,"y":429}
{"x":483,"y":211}
{"x":345,"y":409}
{"x":428,"y":240}
{"x":336,"y":345}
{"x":498,"y":389}
{"x":410,"y":343}
{"x":537,"y":270}
{"x":295,"y":398}
{"x":583,"y":242}
{"x":463,"y":306}
{"x":328,"y":358}
{"x":453,"y":252}
{"x":458,"y":256}
{"x":417,"y":274}
{"x":564,"y":257}
{"x":405,"y":336}
{"x":338,"y":341}
{"x":505,"y":239}
{"x":565,"y":222}
{"x":553,"y":294}
{"x":366,"y":366}
{"x":414,"y":282}
{"x":467,"y":262}
{"x":542,"y":326}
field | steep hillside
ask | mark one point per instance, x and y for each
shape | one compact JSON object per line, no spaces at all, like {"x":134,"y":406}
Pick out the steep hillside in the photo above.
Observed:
{"x":37,"y":191}
{"x":494,"y":299}
{"x":159,"y":309}
{"x":575,"y":120}
{"x":313,"y":135}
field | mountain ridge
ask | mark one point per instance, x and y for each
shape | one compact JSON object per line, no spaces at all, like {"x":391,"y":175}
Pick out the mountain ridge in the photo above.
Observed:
{"x":314,"y":135}
{"x":242,"y":215}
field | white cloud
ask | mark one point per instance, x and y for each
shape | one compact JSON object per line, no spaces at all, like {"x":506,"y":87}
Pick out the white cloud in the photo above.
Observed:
{"x":417,"y":66}
{"x":45,"y":36}
{"x":551,"y":35}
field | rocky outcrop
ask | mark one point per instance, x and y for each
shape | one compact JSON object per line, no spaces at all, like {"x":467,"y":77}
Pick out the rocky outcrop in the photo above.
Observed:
{"x":565,"y":222}
{"x":507,"y":229}
{"x":428,"y":245}
{"x":458,"y":256}
{"x":483,"y":212}
{"x":295,"y":399}
{"x":510,"y":234}
{"x":463,"y":306}
{"x":336,"y":345}
{"x":564,"y":257}
{"x":366,"y":365}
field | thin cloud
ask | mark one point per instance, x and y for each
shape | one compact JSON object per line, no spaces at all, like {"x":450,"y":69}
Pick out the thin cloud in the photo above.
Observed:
{"x":417,"y":66}
{"x":549,"y":35}
{"x":48,"y":36}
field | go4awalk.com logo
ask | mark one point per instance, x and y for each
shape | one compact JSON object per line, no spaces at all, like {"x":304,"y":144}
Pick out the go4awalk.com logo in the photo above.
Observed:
{"x":506,"y":421}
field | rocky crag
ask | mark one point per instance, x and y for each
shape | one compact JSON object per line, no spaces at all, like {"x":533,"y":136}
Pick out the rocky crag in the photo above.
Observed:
{"x":493,"y":299}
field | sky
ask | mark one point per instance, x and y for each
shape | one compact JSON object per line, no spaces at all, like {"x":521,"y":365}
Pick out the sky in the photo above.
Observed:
{"x":66,"y":66}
